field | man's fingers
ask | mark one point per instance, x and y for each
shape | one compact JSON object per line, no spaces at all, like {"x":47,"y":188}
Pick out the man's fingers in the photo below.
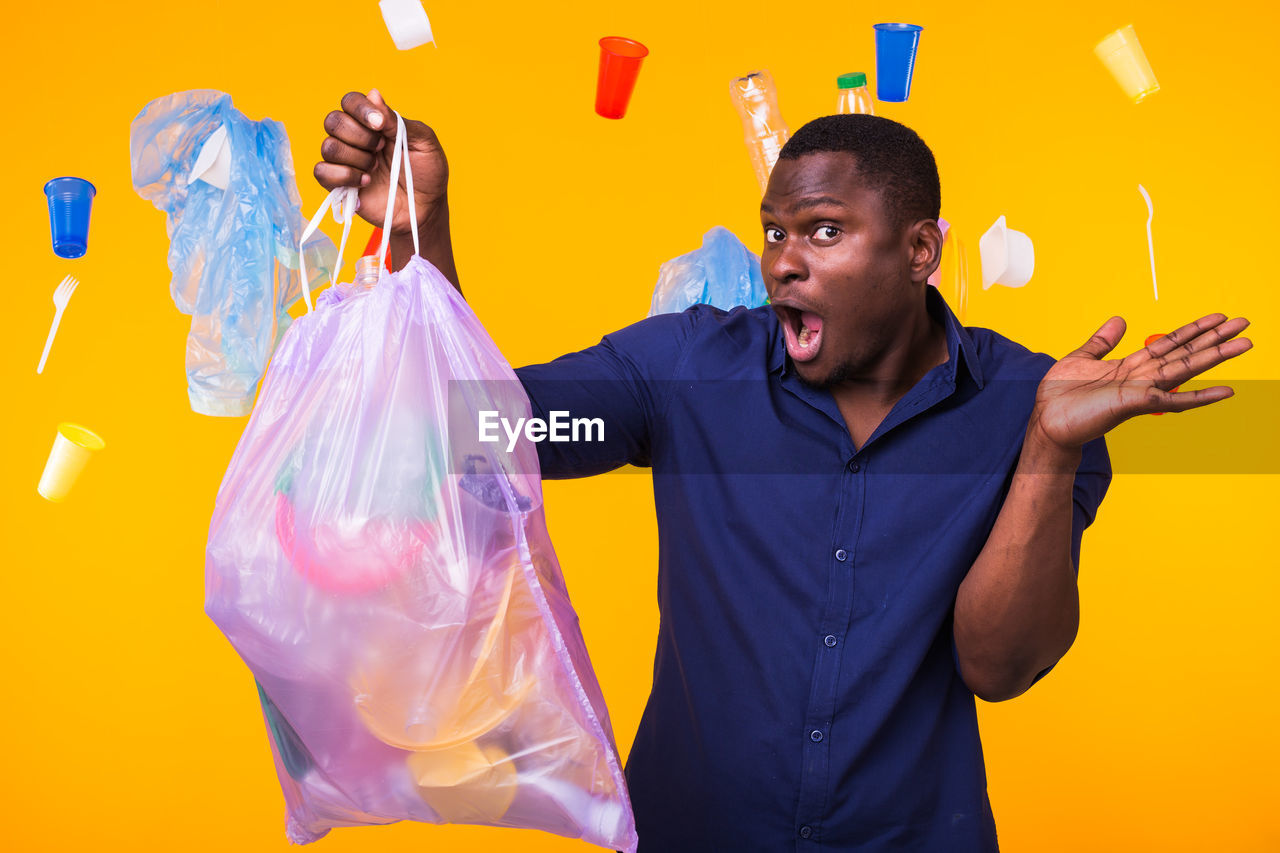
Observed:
{"x":330,"y":176}
{"x":1168,"y":351}
{"x":1184,"y":336}
{"x":1181,"y":401}
{"x":381,"y":115}
{"x":339,"y":153}
{"x":347,"y":128}
{"x":370,"y":111}
{"x":1194,"y":348}
{"x":1104,"y":340}
{"x":365,"y":121}
{"x":1211,"y":342}
{"x":1180,"y":365}
{"x":1224,"y":331}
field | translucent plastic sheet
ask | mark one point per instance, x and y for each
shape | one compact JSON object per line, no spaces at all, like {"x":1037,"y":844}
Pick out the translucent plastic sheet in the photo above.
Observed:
{"x":232,"y":249}
{"x":723,"y":273}
{"x":390,"y":582}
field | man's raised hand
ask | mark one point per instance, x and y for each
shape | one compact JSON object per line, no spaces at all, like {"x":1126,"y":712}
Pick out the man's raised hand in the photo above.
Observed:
{"x":1084,"y":395}
{"x":358,"y":151}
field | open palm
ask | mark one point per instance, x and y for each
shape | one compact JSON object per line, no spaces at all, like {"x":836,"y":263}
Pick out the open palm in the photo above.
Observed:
{"x":1084,"y":395}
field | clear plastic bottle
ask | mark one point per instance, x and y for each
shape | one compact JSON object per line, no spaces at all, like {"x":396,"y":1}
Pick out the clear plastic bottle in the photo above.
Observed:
{"x":367,"y":272}
{"x":854,"y":97}
{"x":756,"y":99}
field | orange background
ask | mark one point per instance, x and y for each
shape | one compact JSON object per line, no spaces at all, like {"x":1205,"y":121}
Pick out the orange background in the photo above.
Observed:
{"x":129,"y":722}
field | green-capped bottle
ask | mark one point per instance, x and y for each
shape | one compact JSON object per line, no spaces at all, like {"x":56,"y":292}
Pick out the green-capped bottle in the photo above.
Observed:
{"x":854,"y":97}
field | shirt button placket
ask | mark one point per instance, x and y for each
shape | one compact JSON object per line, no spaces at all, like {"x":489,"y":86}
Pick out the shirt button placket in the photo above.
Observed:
{"x":817,"y":736}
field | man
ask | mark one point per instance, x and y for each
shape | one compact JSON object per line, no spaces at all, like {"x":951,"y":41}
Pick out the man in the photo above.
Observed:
{"x":868,"y":514}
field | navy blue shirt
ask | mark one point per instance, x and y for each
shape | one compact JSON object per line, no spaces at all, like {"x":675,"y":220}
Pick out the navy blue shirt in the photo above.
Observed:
{"x":805,"y":689}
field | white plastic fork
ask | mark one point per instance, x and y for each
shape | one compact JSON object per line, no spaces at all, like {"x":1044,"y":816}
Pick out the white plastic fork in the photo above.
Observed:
{"x":61,"y":297}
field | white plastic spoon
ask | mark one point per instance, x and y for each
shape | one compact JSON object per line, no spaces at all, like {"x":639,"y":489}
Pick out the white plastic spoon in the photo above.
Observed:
{"x":1151,"y":249}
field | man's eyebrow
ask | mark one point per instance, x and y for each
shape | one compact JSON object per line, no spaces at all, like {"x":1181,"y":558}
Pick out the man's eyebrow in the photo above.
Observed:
{"x":820,"y":201}
{"x":806,"y":203}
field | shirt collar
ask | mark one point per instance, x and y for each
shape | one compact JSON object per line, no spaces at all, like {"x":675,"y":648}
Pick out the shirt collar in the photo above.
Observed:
{"x":959,"y":343}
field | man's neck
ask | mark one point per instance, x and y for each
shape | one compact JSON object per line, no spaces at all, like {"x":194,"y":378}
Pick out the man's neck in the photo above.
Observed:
{"x":900,"y":369}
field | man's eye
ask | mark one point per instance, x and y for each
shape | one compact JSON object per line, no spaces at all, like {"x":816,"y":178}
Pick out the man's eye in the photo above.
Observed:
{"x":827,"y":232}
{"x":773,"y":235}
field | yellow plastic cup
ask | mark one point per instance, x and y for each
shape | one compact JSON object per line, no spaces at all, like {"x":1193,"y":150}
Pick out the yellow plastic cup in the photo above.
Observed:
{"x":466,"y":784}
{"x":406,"y":700}
{"x":72,"y":448}
{"x":1122,"y":54}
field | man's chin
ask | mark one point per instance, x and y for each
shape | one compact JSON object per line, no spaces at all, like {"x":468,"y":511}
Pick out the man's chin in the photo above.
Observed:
{"x":818,"y":375}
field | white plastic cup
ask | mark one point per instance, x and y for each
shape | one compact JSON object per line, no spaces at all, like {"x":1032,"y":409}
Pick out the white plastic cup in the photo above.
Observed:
{"x":1008,"y":256}
{"x":407,"y":22}
{"x":72,"y":448}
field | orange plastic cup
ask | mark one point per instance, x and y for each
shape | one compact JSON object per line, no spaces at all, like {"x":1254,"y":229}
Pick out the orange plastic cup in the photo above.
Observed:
{"x":620,"y":60}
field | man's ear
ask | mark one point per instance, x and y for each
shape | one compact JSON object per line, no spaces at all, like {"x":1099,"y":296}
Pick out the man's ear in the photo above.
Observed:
{"x":926,"y":249}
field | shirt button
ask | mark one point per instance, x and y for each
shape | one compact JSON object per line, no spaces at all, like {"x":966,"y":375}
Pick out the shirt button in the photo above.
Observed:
{"x":854,"y":466}
{"x":805,"y":832}
{"x":815,"y":736}
{"x":842,"y":554}
{"x":830,"y":640}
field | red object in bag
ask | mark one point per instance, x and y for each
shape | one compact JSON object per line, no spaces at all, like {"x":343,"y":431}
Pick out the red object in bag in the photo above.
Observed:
{"x":375,"y":242}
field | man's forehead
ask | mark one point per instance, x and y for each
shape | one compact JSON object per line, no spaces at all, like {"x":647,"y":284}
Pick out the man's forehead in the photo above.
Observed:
{"x":819,"y":179}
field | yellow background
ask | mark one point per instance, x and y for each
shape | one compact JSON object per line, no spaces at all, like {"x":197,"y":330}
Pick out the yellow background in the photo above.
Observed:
{"x":128,"y":721}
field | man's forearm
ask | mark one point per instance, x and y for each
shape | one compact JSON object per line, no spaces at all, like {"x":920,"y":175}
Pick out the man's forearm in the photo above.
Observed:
{"x":436,"y":244}
{"x":1018,"y":610}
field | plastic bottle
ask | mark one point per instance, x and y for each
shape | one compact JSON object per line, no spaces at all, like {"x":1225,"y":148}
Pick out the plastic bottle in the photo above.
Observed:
{"x":367,"y":272}
{"x":756,"y":99}
{"x":854,"y":97}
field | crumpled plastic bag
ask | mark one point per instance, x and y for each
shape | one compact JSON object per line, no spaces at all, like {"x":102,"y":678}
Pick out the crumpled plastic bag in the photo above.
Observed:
{"x":232,"y":251}
{"x":388,"y":578}
{"x":723,"y":273}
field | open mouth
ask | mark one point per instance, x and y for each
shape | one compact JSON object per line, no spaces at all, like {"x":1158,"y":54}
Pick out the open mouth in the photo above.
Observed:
{"x":802,"y":331}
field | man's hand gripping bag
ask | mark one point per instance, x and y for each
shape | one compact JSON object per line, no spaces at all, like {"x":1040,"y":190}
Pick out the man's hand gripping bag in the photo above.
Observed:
{"x":389,"y":579}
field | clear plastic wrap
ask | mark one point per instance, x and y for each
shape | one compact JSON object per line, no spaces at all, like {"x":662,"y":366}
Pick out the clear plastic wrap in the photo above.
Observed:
{"x":232,"y":238}
{"x":723,"y":273}
{"x":389,"y":579}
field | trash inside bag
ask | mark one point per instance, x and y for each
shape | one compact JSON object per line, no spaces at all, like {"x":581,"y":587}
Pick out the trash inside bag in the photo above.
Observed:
{"x":227,"y":186}
{"x":389,"y":580}
{"x":723,"y":273}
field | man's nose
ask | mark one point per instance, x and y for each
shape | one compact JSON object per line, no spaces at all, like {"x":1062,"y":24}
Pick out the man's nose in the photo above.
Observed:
{"x":786,"y":263}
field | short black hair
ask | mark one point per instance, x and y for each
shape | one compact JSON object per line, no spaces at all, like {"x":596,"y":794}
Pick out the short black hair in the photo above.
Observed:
{"x":892,"y":159}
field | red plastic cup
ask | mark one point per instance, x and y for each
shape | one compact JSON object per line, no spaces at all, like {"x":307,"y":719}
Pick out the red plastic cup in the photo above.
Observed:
{"x":620,"y":60}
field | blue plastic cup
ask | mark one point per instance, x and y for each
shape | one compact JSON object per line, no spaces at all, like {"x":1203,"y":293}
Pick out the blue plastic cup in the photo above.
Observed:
{"x":70,"y":200}
{"x":895,"y":60}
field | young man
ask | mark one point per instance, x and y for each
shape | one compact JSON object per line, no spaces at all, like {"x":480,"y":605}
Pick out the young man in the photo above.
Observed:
{"x":868,"y":514}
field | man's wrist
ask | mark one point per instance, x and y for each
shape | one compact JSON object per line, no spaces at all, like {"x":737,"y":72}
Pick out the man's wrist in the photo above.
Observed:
{"x":434,"y":235}
{"x":1042,"y":455}
{"x":435,"y":243}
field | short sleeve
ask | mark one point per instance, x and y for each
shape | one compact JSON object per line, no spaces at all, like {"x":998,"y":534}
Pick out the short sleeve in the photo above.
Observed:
{"x":1093,"y":477}
{"x":609,"y":398}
